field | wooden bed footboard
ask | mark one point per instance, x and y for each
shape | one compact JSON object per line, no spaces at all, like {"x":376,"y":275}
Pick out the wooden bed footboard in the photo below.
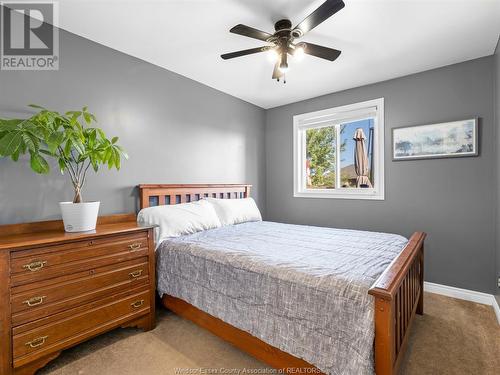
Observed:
{"x":398,"y":292}
{"x":399,"y":295}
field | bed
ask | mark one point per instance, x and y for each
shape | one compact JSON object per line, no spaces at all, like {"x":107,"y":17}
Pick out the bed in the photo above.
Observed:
{"x":282,"y":294}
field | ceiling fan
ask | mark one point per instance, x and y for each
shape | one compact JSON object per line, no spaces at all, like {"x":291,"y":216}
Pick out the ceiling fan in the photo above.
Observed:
{"x":282,"y":42}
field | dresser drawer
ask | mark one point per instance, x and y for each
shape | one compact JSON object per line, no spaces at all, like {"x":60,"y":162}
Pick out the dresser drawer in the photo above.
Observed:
{"x":74,"y":327}
{"x":33,"y":301}
{"x":43,"y":263}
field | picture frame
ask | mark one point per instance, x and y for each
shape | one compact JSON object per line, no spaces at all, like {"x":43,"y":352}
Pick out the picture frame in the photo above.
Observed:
{"x":435,"y":141}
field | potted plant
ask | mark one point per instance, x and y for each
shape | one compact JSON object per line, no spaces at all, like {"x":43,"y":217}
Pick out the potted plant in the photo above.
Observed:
{"x":75,"y":145}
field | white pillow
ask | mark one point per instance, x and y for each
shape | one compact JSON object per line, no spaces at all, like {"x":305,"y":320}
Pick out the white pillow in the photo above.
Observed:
{"x":235,"y":211}
{"x":179,"y":219}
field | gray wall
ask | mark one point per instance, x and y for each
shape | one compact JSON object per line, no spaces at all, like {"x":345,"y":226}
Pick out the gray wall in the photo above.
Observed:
{"x":450,"y":199}
{"x":174,"y":129}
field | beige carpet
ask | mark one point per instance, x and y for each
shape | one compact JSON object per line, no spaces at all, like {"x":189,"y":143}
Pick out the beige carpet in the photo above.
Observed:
{"x":453,"y":337}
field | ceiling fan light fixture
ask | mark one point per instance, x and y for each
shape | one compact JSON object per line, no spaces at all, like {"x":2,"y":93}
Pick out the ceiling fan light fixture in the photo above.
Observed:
{"x":283,"y":68}
{"x":296,"y":33}
{"x":284,"y":63}
{"x":273,"y":55}
{"x":299,"y":52}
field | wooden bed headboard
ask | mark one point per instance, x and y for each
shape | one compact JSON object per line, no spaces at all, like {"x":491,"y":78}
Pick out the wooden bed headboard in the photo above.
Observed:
{"x":161,"y":194}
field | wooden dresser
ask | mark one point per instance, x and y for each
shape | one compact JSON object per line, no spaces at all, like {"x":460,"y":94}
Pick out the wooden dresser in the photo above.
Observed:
{"x":58,"y":289}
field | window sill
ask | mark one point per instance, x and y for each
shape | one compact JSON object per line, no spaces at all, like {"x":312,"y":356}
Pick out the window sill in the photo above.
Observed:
{"x":355,"y":194}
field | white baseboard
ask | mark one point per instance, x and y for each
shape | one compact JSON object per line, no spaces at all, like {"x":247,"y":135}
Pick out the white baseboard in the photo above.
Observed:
{"x":496,"y":307}
{"x":467,"y":295}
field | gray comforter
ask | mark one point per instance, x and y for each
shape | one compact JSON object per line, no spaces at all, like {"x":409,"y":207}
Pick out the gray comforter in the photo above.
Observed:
{"x":301,"y":289}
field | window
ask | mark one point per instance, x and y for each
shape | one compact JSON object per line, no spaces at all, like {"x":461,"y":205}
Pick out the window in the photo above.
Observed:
{"x":339,"y":152}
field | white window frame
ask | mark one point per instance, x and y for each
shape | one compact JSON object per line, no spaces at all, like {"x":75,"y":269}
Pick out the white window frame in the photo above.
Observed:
{"x":337,"y":116}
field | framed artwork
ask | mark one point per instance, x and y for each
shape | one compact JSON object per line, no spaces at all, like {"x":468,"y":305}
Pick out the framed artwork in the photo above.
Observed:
{"x":444,"y":140}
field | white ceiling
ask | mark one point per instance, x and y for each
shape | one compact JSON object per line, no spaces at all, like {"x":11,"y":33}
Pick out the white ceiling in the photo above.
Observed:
{"x":379,"y":40}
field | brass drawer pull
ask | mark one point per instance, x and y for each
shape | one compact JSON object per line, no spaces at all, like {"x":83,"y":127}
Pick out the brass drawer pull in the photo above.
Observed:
{"x":136,"y":273}
{"x":137,"y":304}
{"x":35,"y":301}
{"x":37,"y":342}
{"x":135,"y":246}
{"x":35,"y":266}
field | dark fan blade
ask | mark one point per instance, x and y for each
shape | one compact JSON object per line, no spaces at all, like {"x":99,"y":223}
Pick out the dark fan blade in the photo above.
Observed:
{"x":250,"y":32}
{"x":243,"y":53}
{"x":320,"y":51}
{"x":277,"y":72}
{"x":326,"y":10}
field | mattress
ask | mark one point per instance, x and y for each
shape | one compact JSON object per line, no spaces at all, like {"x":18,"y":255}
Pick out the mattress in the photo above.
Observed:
{"x":299,"y":288}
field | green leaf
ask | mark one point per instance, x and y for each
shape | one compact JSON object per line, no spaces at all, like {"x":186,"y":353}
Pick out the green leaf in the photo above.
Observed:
{"x":22,"y":148}
{"x":10,"y":143}
{"x":110,"y":159}
{"x":74,"y":118}
{"x":114,"y":140}
{"x":15,"y":154}
{"x":39,"y":164}
{"x":62,"y":165}
{"x":92,"y":136}
{"x":37,"y":131}
{"x":78,"y":145}
{"x":30,"y":141}
{"x":48,"y":153}
{"x":101,"y":133}
{"x":87,"y":117}
{"x":55,"y":140}
{"x":35,"y":106}
{"x":58,"y":122}
{"x":122,"y":151}
{"x":117,"y":159}
{"x":9,"y":125}
{"x":106,"y":155}
{"x":67,"y":148}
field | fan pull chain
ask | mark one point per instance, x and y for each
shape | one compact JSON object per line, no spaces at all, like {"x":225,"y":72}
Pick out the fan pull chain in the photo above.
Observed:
{"x":284,"y":79}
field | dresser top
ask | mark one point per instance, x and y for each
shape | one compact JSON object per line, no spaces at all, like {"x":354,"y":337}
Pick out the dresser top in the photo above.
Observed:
{"x":43,"y":233}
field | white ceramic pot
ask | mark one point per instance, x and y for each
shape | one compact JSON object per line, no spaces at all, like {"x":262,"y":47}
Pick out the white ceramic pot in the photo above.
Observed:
{"x":79,"y":217}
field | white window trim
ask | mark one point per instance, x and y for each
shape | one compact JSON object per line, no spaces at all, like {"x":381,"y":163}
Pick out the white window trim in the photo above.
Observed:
{"x":339,"y":115}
